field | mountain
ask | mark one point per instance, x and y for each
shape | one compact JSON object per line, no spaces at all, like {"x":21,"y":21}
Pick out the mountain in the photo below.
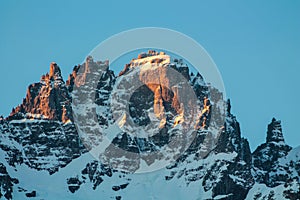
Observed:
{"x":155,"y":131}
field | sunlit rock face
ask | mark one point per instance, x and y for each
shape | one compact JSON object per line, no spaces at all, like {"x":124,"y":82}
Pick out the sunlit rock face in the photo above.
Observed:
{"x":155,"y":101}
{"x":174,"y":93}
{"x":48,"y":99}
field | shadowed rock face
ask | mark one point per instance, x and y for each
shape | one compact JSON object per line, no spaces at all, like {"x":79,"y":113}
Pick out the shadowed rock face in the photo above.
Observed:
{"x":266,"y":157}
{"x":274,"y":133}
{"x":6,"y":183}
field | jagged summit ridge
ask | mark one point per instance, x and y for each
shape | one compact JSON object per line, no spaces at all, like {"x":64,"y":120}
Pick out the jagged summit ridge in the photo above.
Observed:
{"x":54,"y":71}
{"x":47,"y":99}
{"x":154,"y":59}
{"x":36,"y":138}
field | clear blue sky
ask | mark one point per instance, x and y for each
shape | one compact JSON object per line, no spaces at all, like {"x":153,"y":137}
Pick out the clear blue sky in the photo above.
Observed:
{"x":256,"y":46}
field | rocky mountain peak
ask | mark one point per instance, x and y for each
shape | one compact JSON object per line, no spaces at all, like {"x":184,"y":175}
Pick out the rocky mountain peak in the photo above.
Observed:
{"x":150,"y":53}
{"x":152,"y":58}
{"x":228,"y":106}
{"x":40,"y":134}
{"x":266,"y":157}
{"x":169,"y":82}
{"x":54,"y":71}
{"x":274,"y":133}
{"x":47,"y":99}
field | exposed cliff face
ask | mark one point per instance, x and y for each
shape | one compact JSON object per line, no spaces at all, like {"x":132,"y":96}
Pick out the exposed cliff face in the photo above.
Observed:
{"x":154,"y":92}
{"x":226,"y":170}
{"x":40,"y":144}
{"x":91,"y":84}
{"x":6,"y":183}
{"x":274,"y":133}
{"x":237,"y":173}
{"x":153,"y":102}
{"x":266,"y":157}
{"x":48,"y":99}
{"x":171,"y":87}
{"x":276,"y":165}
